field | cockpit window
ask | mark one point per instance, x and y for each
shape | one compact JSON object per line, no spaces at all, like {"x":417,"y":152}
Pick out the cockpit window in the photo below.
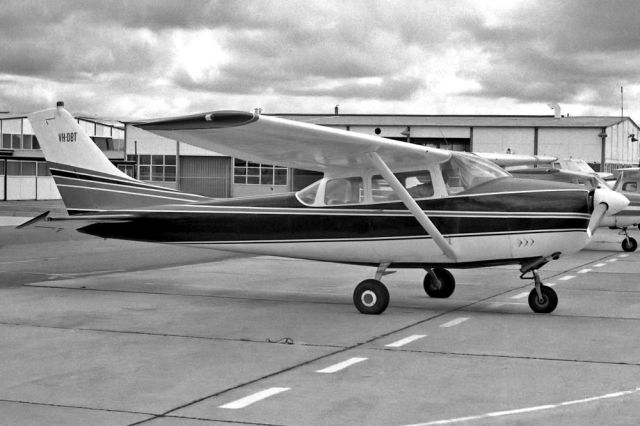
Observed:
{"x":344,"y":191}
{"x":464,"y":171}
{"x":630,"y":187}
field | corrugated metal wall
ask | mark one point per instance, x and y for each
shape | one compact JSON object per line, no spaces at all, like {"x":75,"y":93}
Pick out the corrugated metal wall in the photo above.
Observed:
{"x":210,"y":176}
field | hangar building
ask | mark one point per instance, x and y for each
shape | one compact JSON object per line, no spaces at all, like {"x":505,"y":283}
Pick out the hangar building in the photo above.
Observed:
{"x":605,"y":142}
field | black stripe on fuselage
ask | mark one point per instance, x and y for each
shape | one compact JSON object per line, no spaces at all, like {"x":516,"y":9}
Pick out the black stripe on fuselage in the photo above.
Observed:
{"x":232,"y":227}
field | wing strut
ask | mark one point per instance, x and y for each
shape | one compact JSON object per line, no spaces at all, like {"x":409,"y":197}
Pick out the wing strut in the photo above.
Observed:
{"x":411,"y":204}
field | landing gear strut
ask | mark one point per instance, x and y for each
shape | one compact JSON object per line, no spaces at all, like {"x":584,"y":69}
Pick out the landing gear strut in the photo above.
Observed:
{"x":542,"y":299}
{"x":629,"y":243}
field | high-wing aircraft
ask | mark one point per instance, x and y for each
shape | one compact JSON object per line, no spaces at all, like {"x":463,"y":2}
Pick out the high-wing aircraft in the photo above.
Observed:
{"x":382,"y":203}
{"x":626,"y":184}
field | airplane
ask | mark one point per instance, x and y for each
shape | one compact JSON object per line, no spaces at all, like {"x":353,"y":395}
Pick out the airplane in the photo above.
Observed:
{"x":467,"y":212}
{"x":626,"y":184}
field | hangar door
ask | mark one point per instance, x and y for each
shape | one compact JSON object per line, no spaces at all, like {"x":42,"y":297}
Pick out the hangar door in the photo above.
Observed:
{"x":208,"y":176}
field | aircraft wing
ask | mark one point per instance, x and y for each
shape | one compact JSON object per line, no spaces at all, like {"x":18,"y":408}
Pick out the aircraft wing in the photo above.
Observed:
{"x":272,"y":140}
{"x":508,"y":160}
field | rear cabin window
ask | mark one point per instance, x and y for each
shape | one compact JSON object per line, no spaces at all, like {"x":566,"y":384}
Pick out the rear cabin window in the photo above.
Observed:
{"x":630,"y":187}
{"x":344,"y":191}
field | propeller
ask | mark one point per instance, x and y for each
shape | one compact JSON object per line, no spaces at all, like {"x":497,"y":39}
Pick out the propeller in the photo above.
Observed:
{"x":605,"y":202}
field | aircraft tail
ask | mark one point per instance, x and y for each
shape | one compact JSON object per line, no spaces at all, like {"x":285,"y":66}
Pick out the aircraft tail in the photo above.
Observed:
{"x":87,"y":181}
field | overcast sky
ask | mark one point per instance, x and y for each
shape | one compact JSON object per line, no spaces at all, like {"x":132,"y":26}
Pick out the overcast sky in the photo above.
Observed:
{"x":137,"y":59}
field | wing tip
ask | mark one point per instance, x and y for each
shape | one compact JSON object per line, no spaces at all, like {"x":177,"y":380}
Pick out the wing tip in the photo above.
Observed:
{"x":211,"y":120}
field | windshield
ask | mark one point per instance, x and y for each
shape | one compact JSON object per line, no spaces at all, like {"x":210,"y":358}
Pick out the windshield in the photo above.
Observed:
{"x":464,"y":171}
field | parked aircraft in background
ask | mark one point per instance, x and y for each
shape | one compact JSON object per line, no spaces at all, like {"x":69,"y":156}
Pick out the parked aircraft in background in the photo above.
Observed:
{"x":514,"y":160}
{"x":627,"y":185}
{"x":382,"y":203}
{"x":577,"y":165}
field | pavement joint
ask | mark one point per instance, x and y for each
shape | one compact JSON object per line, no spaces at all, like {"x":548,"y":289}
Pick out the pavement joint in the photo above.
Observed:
{"x":516,"y":357}
{"x":79,"y":407}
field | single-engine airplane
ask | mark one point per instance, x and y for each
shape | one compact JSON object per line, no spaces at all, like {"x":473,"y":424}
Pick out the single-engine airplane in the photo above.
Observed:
{"x":382,"y":203}
{"x":626,"y":184}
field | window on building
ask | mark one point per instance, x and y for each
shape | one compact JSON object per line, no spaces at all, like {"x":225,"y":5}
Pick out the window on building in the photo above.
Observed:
{"x":129,"y":169}
{"x":16,"y":141}
{"x":246,"y":172}
{"x":21,"y":168}
{"x":157,"y":168}
{"x":1,"y":168}
{"x":43,"y":169}
{"x":6,"y":141}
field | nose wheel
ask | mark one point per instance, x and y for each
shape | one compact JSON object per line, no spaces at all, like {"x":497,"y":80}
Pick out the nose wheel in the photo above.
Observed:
{"x":542,"y":299}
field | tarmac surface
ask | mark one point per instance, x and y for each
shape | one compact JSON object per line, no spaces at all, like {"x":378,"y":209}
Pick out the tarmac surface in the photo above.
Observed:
{"x":120,"y":333}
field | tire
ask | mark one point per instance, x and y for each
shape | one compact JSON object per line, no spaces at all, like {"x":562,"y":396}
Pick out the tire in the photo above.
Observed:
{"x":448,"y":284}
{"x":371,"y":297}
{"x":629,"y":244}
{"x":547,"y":304}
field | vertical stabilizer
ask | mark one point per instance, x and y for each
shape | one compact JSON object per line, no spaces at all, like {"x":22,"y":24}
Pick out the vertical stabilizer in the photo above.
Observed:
{"x":86,"y":179}
{"x":63,"y":142}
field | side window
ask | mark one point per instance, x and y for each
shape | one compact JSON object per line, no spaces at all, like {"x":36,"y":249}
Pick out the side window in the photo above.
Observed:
{"x":344,"y":191}
{"x":630,"y":187}
{"x":417,"y":183}
{"x":381,"y":191}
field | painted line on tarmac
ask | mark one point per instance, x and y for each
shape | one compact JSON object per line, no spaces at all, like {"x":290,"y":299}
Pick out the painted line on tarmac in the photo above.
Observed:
{"x":520,"y":295}
{"x":454,"y":322}
{"x":623,"y":255}
{"x":584,"y":271}
{"x":251,"y":399}
{"x":550,"y":284}
{"x":612,"y":260}
{"x":341,"y":365}
{"x":599,"y":265}
{"x":529,"y":409}
{"x":405,"y":341}
{"x":28,"y":260}
{"x":566,"y":278}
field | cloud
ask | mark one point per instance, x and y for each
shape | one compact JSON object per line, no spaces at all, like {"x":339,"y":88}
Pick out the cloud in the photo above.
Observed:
{"x":572,"y":51}
{"x":167,"y":57}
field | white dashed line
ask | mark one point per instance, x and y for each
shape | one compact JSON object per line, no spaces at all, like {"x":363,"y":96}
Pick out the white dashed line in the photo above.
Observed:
{"x":584,"y":271}
{"x":405,"y":341}
{"x":454,"y":322}
{"x":341,"y":365}
{"x":520,"y":295}
{"x":612,"y":260}
{"x":529,"y":409}
{"x":248,"y":400}
{"x":623,"y":255}
{"x":566,"y":277}
{"x":599,"y":265}
{"x":550,"y":284}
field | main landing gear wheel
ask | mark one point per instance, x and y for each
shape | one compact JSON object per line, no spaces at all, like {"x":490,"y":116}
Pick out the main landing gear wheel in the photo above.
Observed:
{"x":629,"y":244}
{"x":371,"y":297}
{"x":441,"y":286}
{"x":545,"y":304}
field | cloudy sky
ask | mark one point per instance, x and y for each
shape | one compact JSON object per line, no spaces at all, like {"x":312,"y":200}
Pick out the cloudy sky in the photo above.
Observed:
{"x":153,"y":58}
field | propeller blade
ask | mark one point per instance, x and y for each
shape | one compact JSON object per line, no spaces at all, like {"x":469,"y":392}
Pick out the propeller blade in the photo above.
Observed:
{"x":597,"y":215}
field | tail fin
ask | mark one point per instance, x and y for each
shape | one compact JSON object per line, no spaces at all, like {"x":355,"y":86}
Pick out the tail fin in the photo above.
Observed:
{"x":88,"y":182}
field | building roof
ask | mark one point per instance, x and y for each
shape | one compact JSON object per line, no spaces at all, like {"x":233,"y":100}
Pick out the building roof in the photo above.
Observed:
{"x":456,"y":120}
